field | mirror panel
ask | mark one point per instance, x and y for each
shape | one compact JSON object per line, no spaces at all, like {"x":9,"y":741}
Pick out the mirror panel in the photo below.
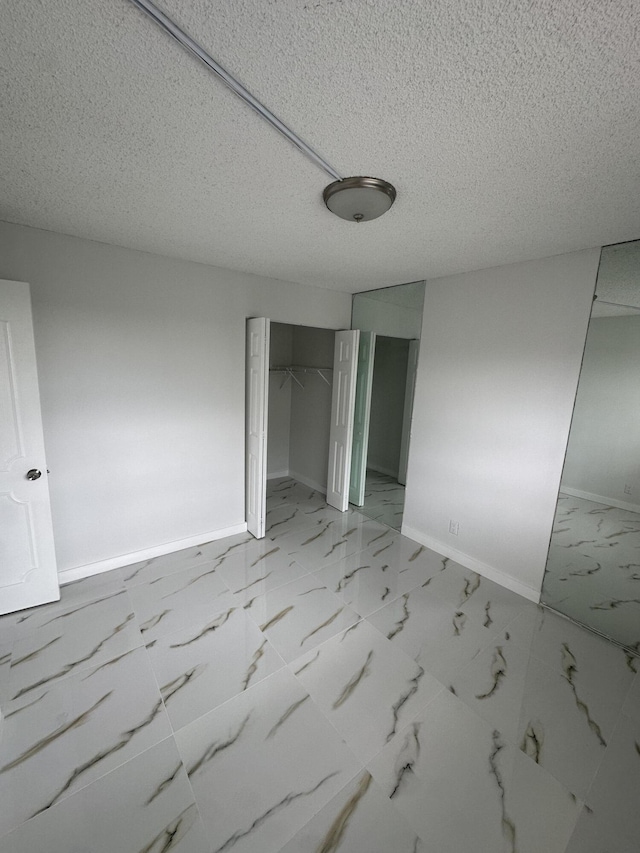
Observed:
{"x":395,"y":312}
{"x":593,"y":567}
{"x":395,"y":315}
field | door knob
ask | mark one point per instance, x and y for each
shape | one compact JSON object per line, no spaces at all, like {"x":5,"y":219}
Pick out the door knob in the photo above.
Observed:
{"x":33,"y":474}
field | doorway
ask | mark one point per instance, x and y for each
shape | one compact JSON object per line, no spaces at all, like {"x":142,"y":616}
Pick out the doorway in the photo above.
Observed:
{"x":300,"y":386}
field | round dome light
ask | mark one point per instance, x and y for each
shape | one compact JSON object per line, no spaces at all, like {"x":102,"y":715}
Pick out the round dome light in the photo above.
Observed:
{"x":359,"y":199}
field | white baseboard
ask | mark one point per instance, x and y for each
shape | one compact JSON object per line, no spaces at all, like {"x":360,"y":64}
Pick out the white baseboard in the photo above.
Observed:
{"x":380,"y":469}
{"x":307,"y":481}
{"x":599,"y":499}
{"x":79,"y":572}
{"x":473,"y":564}
{"x":277,"y":474}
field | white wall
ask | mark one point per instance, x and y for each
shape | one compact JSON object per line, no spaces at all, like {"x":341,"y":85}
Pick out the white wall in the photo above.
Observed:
{"x":499,"y":360}
{"x":387,"y":404}
{"x":604,"y":445}
{"x":311,"y":408}
{"x":280,"y":354}
{"x":141,"y":366}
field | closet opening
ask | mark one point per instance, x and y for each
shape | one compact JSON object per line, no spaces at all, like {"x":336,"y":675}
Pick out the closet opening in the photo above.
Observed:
{"x":299,"y":420}
{"x":300,"y":398}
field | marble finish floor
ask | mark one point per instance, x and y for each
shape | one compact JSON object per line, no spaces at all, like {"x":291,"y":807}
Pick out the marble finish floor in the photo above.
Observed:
{"x":593,"y":569}
{"x":383,"y":499}
{"x":332,"y":687}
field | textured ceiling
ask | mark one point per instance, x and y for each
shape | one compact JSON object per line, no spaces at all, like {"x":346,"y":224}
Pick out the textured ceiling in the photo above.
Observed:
{"x":509,"y":128}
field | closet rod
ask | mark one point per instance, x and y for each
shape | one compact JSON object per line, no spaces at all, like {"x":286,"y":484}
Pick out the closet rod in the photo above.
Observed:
{"x":293,"y":369}
{"x":299,"y":368}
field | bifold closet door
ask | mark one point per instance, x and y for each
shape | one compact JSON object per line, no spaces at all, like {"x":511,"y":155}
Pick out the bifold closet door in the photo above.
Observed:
{"x":28,"y":571}
{"x":257,"y":402}
{"x":345,"y":364}
{"x":410,"y":388}
{"x":362,"y":416}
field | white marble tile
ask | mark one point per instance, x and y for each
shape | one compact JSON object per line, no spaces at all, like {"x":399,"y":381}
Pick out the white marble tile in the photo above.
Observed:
{"x":567,"y":722}
{"x":440,"y":637}
{"x":157,"y":567}
{"x":5,"y":668}
{"x":631,"y":707}
{"x":299,"y":616}
{"x":365,"y":584}
{"x":370,"y":579}
{"x":252,"y":573}
{"x":549,"y":636}
{"x":199,"y":668}
{"x":290,"y":491}
{"x":221,"y":549}
{"x":263,"y":751}
{"x":590,"y":836}
{"x":144,"y":806}
{"x":493,"y":684}
{"x":72,"y":596}
{"x":482,"y":600}
{"x":615,"y":792}
{"x":360,"y":819}
{"x":284,"y":518}
{"x":95,"y":586}
{"x":208,"y":552}
{"x":87,"y":635}
{"x":368,"y":688}
{"x":462,"y":787}
{"x":185,"y":599}
{"x":62,"y":737}
{"x":334,"y":540}
{"x":7,"y":626}
{"x":263,"y":764}
{"x":633,"y":661}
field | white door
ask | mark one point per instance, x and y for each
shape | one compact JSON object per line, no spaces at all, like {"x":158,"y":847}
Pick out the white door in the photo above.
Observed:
{"x":409,"y":391}
{"x":345,"y":363}
{"x":364,"y":384}
{"x":257,"y":401}
{"x":28,"y":573}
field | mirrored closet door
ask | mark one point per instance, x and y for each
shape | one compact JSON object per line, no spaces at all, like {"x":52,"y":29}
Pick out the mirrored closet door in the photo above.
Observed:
{"x":593,"y":567}
{"x":390,"y":322}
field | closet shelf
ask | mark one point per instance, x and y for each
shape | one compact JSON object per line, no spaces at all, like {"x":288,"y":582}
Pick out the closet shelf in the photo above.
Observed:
{"x":289,"y":372}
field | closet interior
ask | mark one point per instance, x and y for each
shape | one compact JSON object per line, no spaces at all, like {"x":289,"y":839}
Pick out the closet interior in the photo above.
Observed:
{"x":299,"y":414}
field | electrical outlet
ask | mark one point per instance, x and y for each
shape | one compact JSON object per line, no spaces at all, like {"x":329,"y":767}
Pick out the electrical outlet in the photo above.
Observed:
{"x":454,"y":527}
{"x":627,"y":489}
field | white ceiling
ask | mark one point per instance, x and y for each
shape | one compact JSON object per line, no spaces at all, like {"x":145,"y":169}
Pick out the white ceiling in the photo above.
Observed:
{"x":509,"y":128}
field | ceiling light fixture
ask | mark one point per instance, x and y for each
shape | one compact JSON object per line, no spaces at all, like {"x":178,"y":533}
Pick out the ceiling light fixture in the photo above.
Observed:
{"x":359,"y":199}
{"x":354,"y":199}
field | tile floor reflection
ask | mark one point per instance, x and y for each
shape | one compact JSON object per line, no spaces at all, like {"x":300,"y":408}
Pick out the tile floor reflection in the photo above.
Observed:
{"x":333,"y":687}
{"x":383,"y":499}
{"x":593,"y":568}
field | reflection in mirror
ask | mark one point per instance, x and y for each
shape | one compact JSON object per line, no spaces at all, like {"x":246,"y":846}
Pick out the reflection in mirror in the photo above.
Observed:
{"x":392,"y":320}
{"x":593,"y":567}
